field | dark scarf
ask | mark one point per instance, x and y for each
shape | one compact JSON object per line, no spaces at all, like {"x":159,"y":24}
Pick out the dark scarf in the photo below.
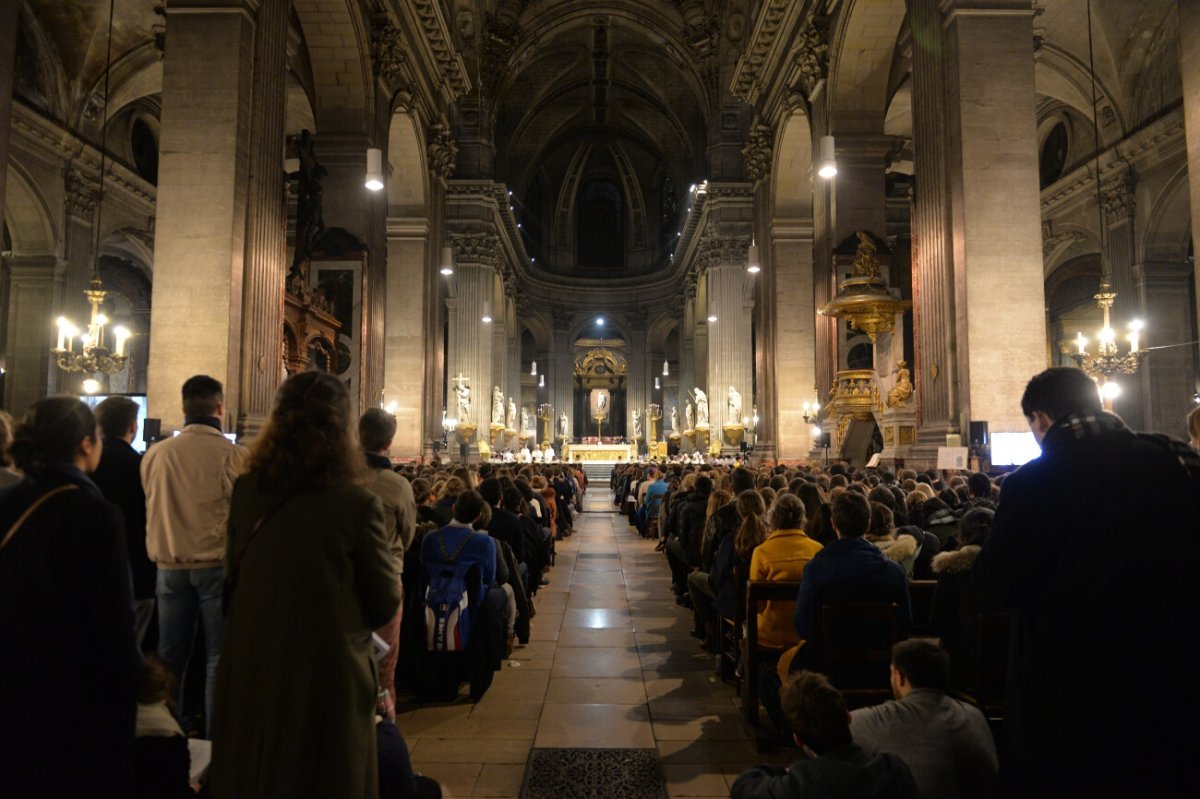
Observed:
{"x":59,"y":473}
{"x":378,"y":461}
{"x":211,"y":421}
{"x":1082,"y":425}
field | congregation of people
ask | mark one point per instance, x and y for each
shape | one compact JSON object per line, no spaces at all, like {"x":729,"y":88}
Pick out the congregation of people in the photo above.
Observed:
{"x":251,"y":598}
{"x":279,"y":600}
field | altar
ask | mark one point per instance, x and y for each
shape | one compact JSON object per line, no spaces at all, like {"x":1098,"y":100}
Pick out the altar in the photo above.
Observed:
{"x":599,"y":453}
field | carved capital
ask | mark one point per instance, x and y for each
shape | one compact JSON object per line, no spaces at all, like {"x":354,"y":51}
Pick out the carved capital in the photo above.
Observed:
{"x":1052,"y":242}
{"x":81,"y":193}
{"x":443,"y":151}
{"x":1118,"y":199}
{"x":722,"y":251}
{"x":476,"y":248}
{"x":757,"y":152}
{"x":387,"y":52}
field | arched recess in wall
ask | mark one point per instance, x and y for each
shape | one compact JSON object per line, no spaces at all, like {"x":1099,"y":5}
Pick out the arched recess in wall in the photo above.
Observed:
{"x":342,"y":76}
{"x":864,"y":45}
{"x":408,"y":181}
{"x":127,"y":304}
{"x":792,"y":175}
{"x":27,"y":216}
{"x":1168,"y":232}
{"x":1070,"y":305}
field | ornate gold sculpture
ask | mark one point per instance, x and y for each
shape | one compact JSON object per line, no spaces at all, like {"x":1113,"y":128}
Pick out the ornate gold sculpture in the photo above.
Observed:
{"x":899,"y":396}
{"x":866,"y":259}
{"x":864,"y":300}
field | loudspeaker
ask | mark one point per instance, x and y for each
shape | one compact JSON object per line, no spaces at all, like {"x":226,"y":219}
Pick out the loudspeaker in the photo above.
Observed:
{"x":979,"y":434}
{"x":151,"y":428}
{"x":827,"y":440}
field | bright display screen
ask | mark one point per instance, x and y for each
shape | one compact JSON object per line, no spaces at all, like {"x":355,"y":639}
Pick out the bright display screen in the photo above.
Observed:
{"x":1013,"y":449}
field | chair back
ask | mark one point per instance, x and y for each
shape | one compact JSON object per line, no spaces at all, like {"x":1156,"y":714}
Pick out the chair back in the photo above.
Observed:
{"x":920,"y":593}
{"x":856,"y":645}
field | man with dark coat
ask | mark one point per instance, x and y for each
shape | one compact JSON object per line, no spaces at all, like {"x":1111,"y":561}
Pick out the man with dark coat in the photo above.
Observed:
{"x":119,"y":478}
{"x":725,"y":519}
{"x":1094,"y":550}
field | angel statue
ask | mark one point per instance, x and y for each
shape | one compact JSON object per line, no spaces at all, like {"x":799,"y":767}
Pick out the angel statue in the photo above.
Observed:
{"x":733,"y":407}
{"x":562,"y":425}
{"x":701,"y":408}
{"x":512,"y":414}
{"x":524,"y":418}
{"x":691,"y":415}
{"x":675,"y":417}
{"x":462,"y":394}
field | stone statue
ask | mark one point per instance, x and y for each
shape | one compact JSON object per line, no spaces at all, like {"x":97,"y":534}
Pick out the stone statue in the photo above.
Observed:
{"x":602,"y":404}
{"x":674,"y":418}
{"x":701,"y":408}
{"x":899,"y":396}
{"x":497,"y":406}
{"x":462,"y":393}
{"x":512,"y":414}
{"x":637,"y":424}
{"x":524,"y":419}
{"x":691,"y":415}
{"x":562,"y":425}
{"x":733,"y":407}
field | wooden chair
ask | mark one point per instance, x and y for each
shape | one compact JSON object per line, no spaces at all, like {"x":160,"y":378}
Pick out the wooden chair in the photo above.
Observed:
{"x":856,"y":646}
{"x":992,"y":674}
{"x":920,"y":594}
{"x":754,"y":656}
{"x":729,"y":632}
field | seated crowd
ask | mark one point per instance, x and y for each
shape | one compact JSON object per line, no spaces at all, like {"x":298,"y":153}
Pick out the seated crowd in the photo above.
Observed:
{"x":204,"y":591}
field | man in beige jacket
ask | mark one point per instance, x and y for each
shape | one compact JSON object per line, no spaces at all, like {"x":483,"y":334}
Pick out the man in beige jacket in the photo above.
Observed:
{"x":188,"y":481}
{"x":376,"y":430}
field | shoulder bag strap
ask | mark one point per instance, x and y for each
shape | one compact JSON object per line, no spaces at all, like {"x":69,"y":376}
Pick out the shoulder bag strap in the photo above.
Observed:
{"x":453,"y":559}
{"x":37,"y":503}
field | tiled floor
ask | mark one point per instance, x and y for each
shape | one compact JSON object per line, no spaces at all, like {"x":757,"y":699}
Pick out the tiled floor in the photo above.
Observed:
{"x":609,"y":664}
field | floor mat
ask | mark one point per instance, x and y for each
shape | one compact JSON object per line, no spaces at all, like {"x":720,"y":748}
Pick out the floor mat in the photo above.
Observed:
{"x":594,"y":774}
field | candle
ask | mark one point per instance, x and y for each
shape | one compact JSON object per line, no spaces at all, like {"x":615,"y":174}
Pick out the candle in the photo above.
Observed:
{"x":122,"y":334}
{"x":62,"y":333}
{"x":1081,"y":342}
{"x":1134,"y":327}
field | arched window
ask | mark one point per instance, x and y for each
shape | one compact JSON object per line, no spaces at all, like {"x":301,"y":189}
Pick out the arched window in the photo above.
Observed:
{"x":600,"y":225}
{"x":1054,"y":155}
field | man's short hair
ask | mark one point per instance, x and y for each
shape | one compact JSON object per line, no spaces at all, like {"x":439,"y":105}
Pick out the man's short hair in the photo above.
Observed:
{"x":202,"y":396}
{"x":703,"y":486}
{"x":468,"y":506}
{"x":851,"y":514}
{"x":815,"y":711}
{"x":376,"y":429}
{"x":742,"y":479}
{"x":923,"y":663}
{"x":492,"y":491}
{"x":980,"y":485}
{"x":1060,"y":391}
{"x":115,"y":416}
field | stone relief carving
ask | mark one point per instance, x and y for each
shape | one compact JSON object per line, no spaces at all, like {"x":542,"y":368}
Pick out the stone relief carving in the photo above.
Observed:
{"x":1051,"y":243}
{"x":478,"y":248}
{"x":811,"y":57}
{"x":757,"y":152}
{"x":450,"y":65}
{"x":717,"y":250}
{"x":443,"y":150}
{"x":1118,"y":199}
{"x":81,"y":193}
{"x":387,"y":52}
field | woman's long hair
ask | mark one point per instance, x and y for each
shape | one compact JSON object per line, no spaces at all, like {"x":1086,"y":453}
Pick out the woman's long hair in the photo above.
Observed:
{"x":753,"y":530}
{"x":716,"y":500}
{"x":306,"y":445}
{"x":50,"y":434}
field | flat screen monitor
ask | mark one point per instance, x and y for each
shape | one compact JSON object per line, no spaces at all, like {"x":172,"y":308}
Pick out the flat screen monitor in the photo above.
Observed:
{"x":1014,"y":449}
{"x":139,"y":443}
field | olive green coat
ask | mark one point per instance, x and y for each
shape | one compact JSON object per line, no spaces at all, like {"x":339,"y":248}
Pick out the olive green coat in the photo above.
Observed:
{"x":296,"y":684}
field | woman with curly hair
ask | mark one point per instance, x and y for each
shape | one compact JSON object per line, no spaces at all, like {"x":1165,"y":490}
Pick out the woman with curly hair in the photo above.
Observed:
{"x":309,"y":577}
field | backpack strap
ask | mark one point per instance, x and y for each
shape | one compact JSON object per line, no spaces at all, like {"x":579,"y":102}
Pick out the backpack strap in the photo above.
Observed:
{"x":452,"y":560}
{"x":37,"y":503}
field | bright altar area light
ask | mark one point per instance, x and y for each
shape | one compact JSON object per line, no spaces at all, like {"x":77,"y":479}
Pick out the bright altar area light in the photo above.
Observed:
{"x":816,"y":431}
{"x":1110,"y":391}
{"x":712,"y":317}
{"x":1107,"y":335}
{"x":91,"y":385}
{"x":599,"y":321}
{"x":827,"y":166}
{"x":392,"y":407}
{"x":374,"y":180}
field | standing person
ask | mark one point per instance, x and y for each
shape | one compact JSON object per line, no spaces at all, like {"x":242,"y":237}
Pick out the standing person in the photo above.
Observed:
{"x":311,"y":575}
{"x":119,"y":477}
{"x":66,"y":616}
{"x":376,"y":430}
{"x":188,"y":481}
{"x":8,"y":475}
{"x":1097,"y":651}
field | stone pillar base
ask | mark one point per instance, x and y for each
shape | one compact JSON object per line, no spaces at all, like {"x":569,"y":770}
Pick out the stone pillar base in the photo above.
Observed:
{"x":899,"y":429}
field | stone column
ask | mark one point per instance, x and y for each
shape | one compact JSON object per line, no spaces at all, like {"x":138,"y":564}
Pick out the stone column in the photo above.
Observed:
{"x":199,"y":244}
{"x":82,"y":192}
{"x":470,"y":340}
{"x":1119,"y":250}
{"x":1189,"y":47}
{"x":266,"y":221}
{"x":31,"y":302}
{"x":1166,"y":379}
{"x":8,"y":53}
{"x":687,"y":352}
{"x":562,"y":376}
{"x":638,"y":383}
{"x":404,"y":372}
{"x":981,"y":253}
{"x":730,"y":340}
{"x":795,"y":342}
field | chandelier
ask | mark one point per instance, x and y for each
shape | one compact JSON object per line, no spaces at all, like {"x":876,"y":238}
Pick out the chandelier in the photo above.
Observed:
{"x":94,"y":357}
{"x":1108,"y":362}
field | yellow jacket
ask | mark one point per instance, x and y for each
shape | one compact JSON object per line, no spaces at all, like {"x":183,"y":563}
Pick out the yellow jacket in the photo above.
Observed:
{"x":782,"y":558}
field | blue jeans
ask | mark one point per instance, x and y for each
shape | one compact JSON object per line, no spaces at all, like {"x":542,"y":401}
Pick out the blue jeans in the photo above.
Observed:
{"x":184,"y":597}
